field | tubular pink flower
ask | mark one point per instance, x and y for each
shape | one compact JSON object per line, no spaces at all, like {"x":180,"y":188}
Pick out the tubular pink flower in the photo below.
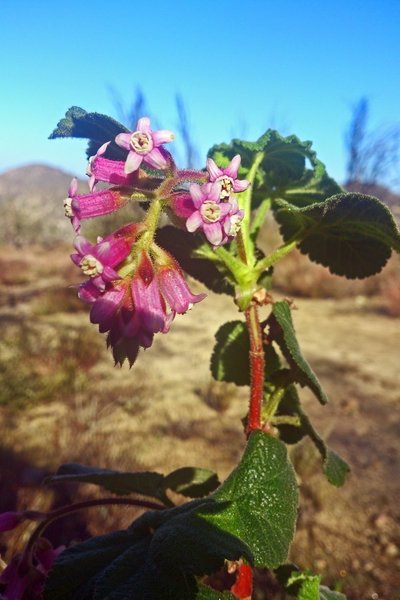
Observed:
{"x":227,"y":177}
{"x":98,"y":260}
{"x":109,"y":171}
{"x":144,"y":146}
{"x":176,"y":291}
{"x":233,"y":221}
{"x":209,"y":213}
{"x":96,"y":204}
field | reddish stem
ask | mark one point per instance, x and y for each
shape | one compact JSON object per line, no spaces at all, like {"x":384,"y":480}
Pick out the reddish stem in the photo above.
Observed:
{"x":256,"y":356}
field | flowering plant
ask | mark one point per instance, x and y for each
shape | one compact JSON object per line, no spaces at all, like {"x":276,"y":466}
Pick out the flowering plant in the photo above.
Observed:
{"x":135,"y":284}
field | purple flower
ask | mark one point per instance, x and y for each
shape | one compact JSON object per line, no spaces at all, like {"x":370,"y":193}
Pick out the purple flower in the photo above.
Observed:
{"x":209,"y":212}
{"x":98,"y":260}
{"x":110,"y":171}
{"x":96,"y":204}
{"x":175,"y":289}
{"x":227,"y":177}
{"x":233,"y":221}
{"x":143,"y":145}
{"x":10,"y":520}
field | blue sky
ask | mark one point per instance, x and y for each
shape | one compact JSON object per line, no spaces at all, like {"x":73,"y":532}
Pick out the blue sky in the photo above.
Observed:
{"x":297,"y":65}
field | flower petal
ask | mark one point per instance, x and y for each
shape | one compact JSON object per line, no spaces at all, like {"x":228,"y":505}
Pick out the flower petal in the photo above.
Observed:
{"x":233,"y":167}
{"x":213,"y":233}
{"x":239,"y":185}
{"x":143,"y":125}
{"x":197,"y":194}
{"x":132,"y":162}
{"x":83,"y":246}
{"x":194,"y":221}
{"x":213,"y":170}
{"x":163,"y":136}
{"x":214,"y":193}
{"x":124,"y":140}
{"x":155,"y":159}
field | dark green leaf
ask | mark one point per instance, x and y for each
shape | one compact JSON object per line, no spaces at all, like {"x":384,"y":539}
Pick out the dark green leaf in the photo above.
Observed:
{"x":157,"y":558}
{"x":314,"y":186}
{"x":230,"y":358}
{"x":188,"y":481}
{"x":184,"y":246}
{"x":327,"y":594}
{"x":263,"y":497}
{"x":146,"y":483}
{"x":95,"y":127}
{"x":281,"y":330}
{"x":192,"y":482}
{"x":352,"y":234}
{"x":289,"y":406}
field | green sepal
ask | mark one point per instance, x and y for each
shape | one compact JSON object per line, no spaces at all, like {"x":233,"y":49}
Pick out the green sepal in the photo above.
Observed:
{"x":189,"y":481}
{"x":263,"y":498}
{"x":196,"y":258}
{"x":95,"y":127}
{"x":159,"y":556}
{"x":281,"y":330}
{"x":351,"y":234}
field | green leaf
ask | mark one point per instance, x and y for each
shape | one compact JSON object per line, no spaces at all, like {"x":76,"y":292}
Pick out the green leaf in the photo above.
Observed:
{"x":352,"y":234}
{"x":327,"y":594}
{"x":281,"y":330}
{"x":158,"y":557}
{"x":304,"y":585}
{"x":230,"y":357}
{"x":335,"y":468}
{"x":289,"y":406}
{"x":263,"y":497}
{"x":283,"y":172}
{"x":186,"y":248}
{"x":314,"y":186}
{"x":206,"y":593}
{"x":95,"y":127}
{"x":188,"y":481}
{"x":192,"y":482}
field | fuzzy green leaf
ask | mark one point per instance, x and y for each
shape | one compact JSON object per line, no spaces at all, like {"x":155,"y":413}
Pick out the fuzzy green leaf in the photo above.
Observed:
{"x":192,"y":482}
{"x":306,"y":586}
{"x":158,"y":557}
{"x":314,"y":186}
{"x":263,"y":497}
{"x":282,"y":331}
{"x":95,"y":127}
{"x":185,"y":247}
{"x":352,"y":234}
{"x":189,"y":481}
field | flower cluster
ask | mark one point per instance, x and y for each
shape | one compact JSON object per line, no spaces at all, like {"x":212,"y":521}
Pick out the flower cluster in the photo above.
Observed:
{"x":135,"y":287}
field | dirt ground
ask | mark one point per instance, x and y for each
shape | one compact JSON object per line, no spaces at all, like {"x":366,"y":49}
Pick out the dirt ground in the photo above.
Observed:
{"x":166,"y":413}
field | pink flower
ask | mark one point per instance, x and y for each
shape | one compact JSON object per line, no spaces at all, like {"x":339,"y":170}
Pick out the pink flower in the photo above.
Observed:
{"x":110,"y":171}
{"x":143,"y":145}
{"x":132,"y":312}
{"x":96,"y":204}
{"x":175,"y":289}
{"x":10,"y":520}
{"x":227,"y":177}
{"x":233,"y":220}
{"x":98,"y":260}
{"x":23,"y":580}
{"x":209,"y":212}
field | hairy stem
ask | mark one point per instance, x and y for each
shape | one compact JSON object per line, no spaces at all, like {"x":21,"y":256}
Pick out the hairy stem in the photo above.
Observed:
{"x":256,"y":357}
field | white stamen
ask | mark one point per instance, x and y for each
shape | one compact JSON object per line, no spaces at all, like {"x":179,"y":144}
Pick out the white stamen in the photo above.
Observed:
{"x":210,"y":211}
{"x":91,"y":266}
{"x":235,"y":222}
{"x":68,"y":208}
{"x":141,"y":142}
{"x":226,"y":186}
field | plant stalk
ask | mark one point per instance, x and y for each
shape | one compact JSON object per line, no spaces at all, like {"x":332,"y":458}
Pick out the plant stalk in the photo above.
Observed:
{"x":257,"y":363}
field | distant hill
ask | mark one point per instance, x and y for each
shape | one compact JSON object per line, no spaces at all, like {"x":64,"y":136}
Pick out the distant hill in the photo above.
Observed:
{"x":31,"y":200}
